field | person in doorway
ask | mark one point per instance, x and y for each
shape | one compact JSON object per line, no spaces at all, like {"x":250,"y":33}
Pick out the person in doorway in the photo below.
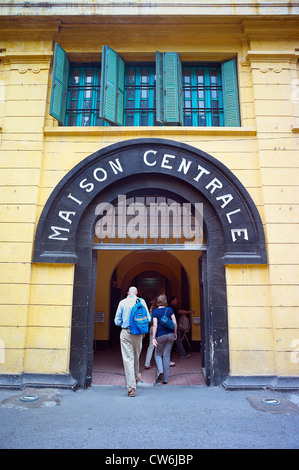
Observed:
{"x":150,"y":349}
{"x":178,"y":313}
{"x":115,"y":297}
{"x":163,"y":338}
{"x":131,"y":345}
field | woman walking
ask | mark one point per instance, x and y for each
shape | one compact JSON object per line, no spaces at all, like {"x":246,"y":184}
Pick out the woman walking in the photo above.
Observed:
{"x":163,"y":338}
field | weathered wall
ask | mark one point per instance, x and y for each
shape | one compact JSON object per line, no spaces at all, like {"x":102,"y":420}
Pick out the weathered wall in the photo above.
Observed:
{"x":36,"y":300}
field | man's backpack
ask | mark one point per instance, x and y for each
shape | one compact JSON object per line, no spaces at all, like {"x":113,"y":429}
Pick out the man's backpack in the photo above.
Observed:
{"x":139,"y":319}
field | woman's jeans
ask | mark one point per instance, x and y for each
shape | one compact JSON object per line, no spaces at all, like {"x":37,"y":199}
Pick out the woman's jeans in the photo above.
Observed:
{"x":162,"y":354}
{"x":150,"y":349}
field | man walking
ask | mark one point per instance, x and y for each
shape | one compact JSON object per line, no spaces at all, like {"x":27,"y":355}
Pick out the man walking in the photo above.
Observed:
{"x":131,"y":345}
{"x":179,"y":312}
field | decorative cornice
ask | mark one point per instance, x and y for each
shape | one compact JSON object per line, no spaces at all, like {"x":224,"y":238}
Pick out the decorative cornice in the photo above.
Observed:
{"x":25,"y":56}
{"x":270,"y":57}
{"x":23,"y":62}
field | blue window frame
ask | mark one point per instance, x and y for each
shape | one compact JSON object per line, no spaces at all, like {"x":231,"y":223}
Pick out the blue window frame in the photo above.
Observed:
{"x":140,"y":95}
{"x":84,"y":96}
{"x":202,"y":96}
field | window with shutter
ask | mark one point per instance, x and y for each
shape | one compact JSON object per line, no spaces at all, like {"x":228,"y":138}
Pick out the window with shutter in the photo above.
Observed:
{"x":84,"y":96}
{"x":202,"y":92}
{"x":59,"y":84}
{"x":140,"y":95}
{"x":112,"y":87}
{"x":169,"y":88}
{"x":230,"y":94}
{"x":144,"y":94}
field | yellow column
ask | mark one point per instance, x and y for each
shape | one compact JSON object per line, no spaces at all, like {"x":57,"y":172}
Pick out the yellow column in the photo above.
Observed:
{"x":24,"y":84}
{"x":273,"y":75}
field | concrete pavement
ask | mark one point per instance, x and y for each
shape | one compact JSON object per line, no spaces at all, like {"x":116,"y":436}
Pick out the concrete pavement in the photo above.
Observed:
{"x":159,"y":417}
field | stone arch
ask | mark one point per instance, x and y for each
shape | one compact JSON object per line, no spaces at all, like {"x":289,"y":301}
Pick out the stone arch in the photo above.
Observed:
{"x":232,"y":226}
{"x":242,"y":229}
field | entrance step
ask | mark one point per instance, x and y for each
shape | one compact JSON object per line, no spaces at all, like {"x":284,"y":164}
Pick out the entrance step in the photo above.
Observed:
{"x":108,"y":369}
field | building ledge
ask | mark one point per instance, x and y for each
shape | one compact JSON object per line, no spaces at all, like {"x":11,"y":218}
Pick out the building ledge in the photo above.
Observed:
{"x":261,"y":382}
{"x":174,"y":7}
{"x":148,"y":131}
{"x":21,"y":381}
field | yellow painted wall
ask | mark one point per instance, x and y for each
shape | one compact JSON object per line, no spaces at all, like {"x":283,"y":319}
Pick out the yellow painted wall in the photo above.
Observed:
{"x":36,"y":300}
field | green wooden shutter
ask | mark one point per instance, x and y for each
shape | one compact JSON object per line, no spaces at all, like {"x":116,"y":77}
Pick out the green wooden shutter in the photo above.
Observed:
{"x":112,"y":87}
{"x":159,"y":88}
{"x":120,"y":92}
{"x":59,"y":84}
{"x":169,"y":95}
{"x":230,"y":93}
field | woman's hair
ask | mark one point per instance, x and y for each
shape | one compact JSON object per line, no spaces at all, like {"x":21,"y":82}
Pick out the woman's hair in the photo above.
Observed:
{"x":162,"y":300}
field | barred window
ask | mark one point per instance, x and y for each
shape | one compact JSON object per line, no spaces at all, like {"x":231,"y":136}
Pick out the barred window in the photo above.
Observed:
{"x":167,"y":92}
{"x":202,"y":91}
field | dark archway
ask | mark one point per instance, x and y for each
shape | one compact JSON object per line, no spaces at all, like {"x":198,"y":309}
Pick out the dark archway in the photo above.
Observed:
{"x":56,"y":239}
{"x":232,"y":226}
{"x":215,"y":304}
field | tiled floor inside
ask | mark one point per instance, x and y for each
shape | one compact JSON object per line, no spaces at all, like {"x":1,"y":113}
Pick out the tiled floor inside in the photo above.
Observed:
{"x":108,"y":369}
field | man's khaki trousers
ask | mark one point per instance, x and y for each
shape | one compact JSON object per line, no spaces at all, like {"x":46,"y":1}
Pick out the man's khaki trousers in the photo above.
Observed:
{"x":131,"y":346}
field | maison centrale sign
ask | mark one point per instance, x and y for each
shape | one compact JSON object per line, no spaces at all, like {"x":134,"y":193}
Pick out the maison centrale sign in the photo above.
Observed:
{"x":82,"y":192}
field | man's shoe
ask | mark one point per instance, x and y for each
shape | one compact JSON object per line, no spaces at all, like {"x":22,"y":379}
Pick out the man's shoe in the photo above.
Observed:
{"x":186,"y":355}
{"x":172,"y":364}
{"x":131,"y":393}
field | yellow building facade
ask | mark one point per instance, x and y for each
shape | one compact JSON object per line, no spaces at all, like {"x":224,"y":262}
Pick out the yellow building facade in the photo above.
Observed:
{"x":57,"y":278}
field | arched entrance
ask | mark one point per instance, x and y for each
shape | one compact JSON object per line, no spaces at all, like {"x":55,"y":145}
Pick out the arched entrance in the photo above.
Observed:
{"x":153,"y":273}
{"x":232,"y":229}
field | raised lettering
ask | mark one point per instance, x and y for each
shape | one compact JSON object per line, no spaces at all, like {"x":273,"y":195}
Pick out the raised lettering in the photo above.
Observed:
{"x":231,"y":213}
{"x":95,"y":174}
{"x":65,"y":215}
{"x":226,"y":198}
{"x":75,"y":199}
{"x":165,"y":161}
{"x":145,"y":157}
{"x":202,"y":171}
{"x":116,"y":166}
{"x":57,"y":231}
{"x":239,"y":231}
{"x":215,"y":183}
{"x":184,"y":166}
{"x":88,"y":187}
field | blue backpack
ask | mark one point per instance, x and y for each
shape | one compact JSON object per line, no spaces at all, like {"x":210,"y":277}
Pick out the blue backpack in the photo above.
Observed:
{"x":139,"y":320}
